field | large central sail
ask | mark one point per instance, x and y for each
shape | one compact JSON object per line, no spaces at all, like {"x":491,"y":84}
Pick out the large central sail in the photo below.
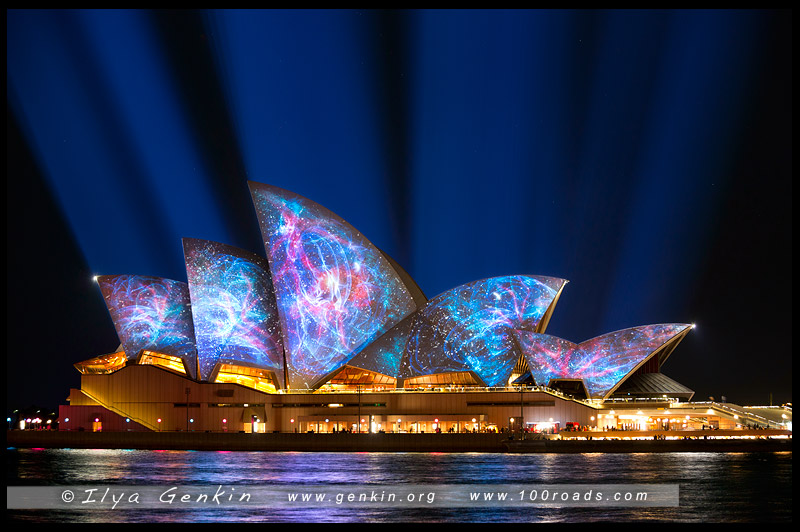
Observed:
{"x":335,"y":290}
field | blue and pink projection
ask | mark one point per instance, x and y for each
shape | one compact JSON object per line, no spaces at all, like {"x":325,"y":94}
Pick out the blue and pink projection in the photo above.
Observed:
{"x":327,"y":297}
{"x":601,"y":362}
{"x":335,"y":291}
{"x":233,"y":304}
{"x":384,"y":354}
{"x":469,"y":327}
{"x":151,"y":313}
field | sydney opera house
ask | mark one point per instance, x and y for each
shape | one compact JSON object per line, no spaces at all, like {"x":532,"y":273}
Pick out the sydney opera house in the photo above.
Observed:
{"x":328,"y":333}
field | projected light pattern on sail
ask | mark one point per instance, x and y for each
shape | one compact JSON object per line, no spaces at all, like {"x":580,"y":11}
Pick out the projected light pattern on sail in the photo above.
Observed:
{"x":384,"y":354}
{"x":601,"y":362}
{"x":335,"y":291}
{"x":151,"y":313}
{"x":468,"y":328}
{"x":327,"y":298}
{"x":235,"y":316}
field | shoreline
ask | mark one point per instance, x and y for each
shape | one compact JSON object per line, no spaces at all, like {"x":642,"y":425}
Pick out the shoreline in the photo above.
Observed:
{"x":766,"y":441}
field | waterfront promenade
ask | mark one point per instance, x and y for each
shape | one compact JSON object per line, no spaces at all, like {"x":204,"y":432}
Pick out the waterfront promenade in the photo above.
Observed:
{"x":575,"y":442}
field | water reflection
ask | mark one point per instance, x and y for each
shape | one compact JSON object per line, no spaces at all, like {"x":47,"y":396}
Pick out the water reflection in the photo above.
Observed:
{"x":733,"y":487}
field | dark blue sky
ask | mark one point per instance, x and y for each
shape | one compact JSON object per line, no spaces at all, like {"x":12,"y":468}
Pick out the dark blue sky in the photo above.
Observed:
{"x":645,"y":156}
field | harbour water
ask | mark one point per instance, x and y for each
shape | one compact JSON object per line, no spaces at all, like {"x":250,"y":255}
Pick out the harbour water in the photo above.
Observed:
{"x":712,"y":487}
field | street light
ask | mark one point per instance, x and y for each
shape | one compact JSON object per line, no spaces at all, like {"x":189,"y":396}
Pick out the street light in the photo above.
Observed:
{"x":188,"y":390}
{"x":358,"y":389}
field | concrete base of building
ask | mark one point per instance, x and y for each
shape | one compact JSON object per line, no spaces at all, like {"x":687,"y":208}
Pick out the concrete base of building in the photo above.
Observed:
{"x":688,"y":445}
{"x":445,"y":442}
{"x":216,"y":441}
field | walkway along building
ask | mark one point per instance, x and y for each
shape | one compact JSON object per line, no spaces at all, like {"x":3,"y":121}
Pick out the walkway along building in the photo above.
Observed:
{"x":328,"y":333}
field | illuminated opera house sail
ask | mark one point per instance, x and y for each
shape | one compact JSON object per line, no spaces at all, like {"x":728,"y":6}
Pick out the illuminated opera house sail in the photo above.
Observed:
{"x":326,"y":309}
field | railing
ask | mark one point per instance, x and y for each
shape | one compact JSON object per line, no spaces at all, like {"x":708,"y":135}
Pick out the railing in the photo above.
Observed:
{"x":742,"y":413}
{"x":642,"y":400}
{"x":445,"y":389}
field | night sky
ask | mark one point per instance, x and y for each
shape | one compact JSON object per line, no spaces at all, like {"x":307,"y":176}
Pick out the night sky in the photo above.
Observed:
{"x":645,"y":156}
